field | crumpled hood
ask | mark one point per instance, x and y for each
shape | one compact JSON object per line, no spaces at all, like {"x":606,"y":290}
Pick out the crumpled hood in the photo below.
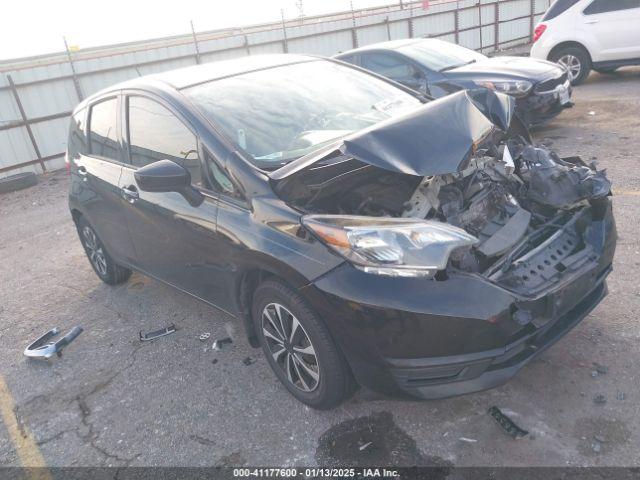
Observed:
{"x":437,"y":138}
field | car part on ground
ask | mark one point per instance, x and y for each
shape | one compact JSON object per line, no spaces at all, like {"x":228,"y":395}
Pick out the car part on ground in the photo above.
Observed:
{"x":145,"y":337}
{"x":508,"y":425}
{"x":44,"y":348}
{"x":19,"y":181}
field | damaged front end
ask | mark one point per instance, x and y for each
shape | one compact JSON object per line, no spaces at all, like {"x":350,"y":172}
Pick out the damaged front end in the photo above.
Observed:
{"x":455,"y":188}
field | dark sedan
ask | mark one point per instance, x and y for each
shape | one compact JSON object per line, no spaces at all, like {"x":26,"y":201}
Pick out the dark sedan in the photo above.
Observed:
{"x":541,"y":89}
{"x":373,"y":237}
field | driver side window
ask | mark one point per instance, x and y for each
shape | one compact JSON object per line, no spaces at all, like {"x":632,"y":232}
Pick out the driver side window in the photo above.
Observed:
{"x":157,"y":134}
{"x":391,"y":66}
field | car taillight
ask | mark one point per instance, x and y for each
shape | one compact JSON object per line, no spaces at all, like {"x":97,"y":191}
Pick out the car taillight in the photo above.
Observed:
{"x":537,"y":33}
{"x":67,"y":164}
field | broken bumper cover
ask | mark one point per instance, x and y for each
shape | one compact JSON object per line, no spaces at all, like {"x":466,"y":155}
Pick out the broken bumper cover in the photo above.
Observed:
{"x":439,"y":338}
{"x":540,"y":107}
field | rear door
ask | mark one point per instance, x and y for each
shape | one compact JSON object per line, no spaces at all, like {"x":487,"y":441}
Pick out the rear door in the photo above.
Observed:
{"x":175,"y":241}
{"x":99,"y":168}
{"x":614,"y":26}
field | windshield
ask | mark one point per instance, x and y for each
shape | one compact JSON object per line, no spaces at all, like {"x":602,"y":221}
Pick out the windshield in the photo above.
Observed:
{"x":440,"y":56}
{"x":279,"y":114}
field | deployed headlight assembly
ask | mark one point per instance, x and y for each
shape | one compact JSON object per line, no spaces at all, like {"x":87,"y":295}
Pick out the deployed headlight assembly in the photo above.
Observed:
{"x":517,"y":88}
{"x":400,"y":247}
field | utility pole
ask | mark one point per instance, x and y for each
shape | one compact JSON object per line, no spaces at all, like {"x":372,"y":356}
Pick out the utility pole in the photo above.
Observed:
{"x":300,"y":10}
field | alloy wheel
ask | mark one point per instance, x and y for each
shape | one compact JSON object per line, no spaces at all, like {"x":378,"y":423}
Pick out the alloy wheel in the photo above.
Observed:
{"x":572,"y":64}
{"x":290,"y":347}
{"x":95,"y":251}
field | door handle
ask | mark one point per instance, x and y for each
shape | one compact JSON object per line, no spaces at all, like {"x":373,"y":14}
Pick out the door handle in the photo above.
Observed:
{"x":130,"y":193}
{"x":591,"y":22}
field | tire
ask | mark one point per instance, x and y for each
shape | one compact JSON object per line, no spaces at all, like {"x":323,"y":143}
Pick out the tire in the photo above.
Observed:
{"x":605,"y":71}
{"x":333,"y":382}
{"x":107,"y":270}
{"x":577,"y":59}
{"x":19,"y":181}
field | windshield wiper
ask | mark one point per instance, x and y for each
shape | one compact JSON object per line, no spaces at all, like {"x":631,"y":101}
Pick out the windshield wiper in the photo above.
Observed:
{"x":451,"y":67}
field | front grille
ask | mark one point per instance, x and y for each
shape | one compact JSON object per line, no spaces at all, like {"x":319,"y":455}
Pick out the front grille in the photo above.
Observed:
{"x":550,"y":84}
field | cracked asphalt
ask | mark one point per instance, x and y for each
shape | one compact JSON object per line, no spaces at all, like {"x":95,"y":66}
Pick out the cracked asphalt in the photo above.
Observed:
{"x":112,"y":400}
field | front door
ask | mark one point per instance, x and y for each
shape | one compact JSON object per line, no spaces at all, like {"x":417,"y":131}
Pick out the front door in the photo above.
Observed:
{"x":174,"y":241}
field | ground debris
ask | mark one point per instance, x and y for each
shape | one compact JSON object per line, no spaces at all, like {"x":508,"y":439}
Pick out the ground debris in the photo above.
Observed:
{"x":249,"y":361}
{"x":599,"y":399}
{"x":508,"y":425}
{"x":468,"y":440}
{"x":217,"y":345}
{"x":204,"y":336}
{"x":157,"y":333}
{"x":620,"y":395}
{"x":600,"y":369}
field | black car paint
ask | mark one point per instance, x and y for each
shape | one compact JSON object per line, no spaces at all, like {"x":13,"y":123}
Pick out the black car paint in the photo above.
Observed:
{"x":389,"y":329}
{"x":533,"y":109}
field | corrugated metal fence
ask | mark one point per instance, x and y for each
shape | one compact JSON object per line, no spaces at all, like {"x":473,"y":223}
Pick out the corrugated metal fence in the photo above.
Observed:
{"x":37,"y":95}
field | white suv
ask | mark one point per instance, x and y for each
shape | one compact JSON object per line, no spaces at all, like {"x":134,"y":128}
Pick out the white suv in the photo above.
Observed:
{"x":586,"y":34}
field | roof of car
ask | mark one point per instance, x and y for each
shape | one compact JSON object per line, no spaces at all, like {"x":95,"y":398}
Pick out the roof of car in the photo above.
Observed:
{"x":197,"y":74}
{"x":391,"y":45}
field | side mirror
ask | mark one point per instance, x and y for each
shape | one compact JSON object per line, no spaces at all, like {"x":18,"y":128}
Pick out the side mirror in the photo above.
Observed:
{"x":168,"y":176}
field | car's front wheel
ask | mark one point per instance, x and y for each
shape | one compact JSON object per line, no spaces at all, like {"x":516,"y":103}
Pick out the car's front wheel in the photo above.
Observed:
{"x":299,"y":348}
{"x":104,"y":266}
{"x":576,"y":60}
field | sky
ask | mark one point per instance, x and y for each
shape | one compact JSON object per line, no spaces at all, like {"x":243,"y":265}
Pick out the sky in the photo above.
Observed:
{"x":35,"y":27}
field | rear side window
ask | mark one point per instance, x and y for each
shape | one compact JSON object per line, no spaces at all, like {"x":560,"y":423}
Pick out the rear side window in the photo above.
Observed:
{"x":388,"y":65}
{"x":157,"y":134}
{"x":558,"y":7}
{"x":77,"y":143}
{"x":103,"y":140}
{"x":604,"y":6}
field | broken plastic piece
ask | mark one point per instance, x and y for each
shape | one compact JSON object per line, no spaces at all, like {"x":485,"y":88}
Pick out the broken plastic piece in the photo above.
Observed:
{"x":468,"y":440}
{"x":42,"y":348}
{"x":157,"y":333}
{"x":204,"y":337}
{"x":217,"y":345}
{"x":507,"y":424}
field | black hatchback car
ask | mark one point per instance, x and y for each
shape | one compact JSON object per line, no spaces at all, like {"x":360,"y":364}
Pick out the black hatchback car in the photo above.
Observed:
{"x":362,"y":233}
{"x":542,"y":89}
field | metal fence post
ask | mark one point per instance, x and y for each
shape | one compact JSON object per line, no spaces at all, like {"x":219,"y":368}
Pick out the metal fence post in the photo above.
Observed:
{"x":285,"y":41}
{"x":496,"y":30}
{"x":195,"y":42}
{"x":386,"y":21}
{"x":410,"y":21}
{"x":354,"y":32}
{"x":14,"y":90}
{"x":480,"y":23}
{"x":456,"y":21}
{"x":532,"y":4}
{"x":76,"y":82}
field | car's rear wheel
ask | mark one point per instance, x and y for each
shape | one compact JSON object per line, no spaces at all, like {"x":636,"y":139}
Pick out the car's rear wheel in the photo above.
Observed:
{"x":104,"y":266}
{"x":299,"y":348}
{"x":576,"y":60}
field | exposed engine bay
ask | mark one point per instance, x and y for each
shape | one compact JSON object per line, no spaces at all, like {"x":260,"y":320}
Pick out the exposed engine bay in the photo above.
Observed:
{"x":513,"y":198}
{"x":532,"y":212}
